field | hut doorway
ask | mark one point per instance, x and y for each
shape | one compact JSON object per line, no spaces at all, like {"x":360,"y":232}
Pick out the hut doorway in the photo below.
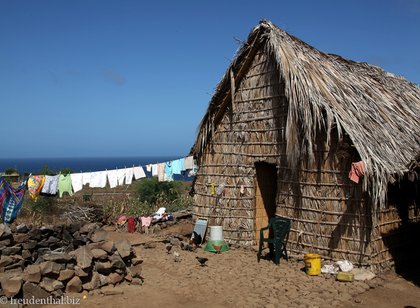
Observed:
{"x":265,"y":195}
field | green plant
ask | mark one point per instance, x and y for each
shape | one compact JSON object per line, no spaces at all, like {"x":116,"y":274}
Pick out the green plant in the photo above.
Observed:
{"x":155,"y":193}
{"x":10,"y":171}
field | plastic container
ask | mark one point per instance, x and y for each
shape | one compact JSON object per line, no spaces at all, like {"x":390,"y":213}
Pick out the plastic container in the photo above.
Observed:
{"x":345,"y":276}
{"x":216,"y":233}
{"x":210,"y":247}
{"x":312,"y":264}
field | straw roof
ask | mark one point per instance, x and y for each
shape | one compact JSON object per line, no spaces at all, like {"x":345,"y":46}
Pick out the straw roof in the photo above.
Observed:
{"x":379,"y":111}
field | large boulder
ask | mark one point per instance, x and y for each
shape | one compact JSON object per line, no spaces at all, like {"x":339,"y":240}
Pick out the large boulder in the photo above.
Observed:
{"x":6,"y":260}
{"x":21,"y":237}
{"x":89,"y":227}
{"x":80,"y":272}
{"x":29,"y":245}
{"x":136,"y":271}
{"x":115,"y":278}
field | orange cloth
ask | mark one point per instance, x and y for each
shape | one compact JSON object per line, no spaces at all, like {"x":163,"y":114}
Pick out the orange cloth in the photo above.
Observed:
{"x":357,"y":170}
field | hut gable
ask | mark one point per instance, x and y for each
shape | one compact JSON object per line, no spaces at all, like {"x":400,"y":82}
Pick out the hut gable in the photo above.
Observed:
{"x":377,"y":110}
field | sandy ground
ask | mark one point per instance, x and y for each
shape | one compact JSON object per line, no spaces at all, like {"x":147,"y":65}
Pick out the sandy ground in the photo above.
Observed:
{"x":236,"y":279}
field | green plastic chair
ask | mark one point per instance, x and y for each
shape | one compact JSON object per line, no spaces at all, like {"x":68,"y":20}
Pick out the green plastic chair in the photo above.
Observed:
{"x":279,"y":229}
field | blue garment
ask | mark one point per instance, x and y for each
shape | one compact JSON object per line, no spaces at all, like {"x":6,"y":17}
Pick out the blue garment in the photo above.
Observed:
{"x":11,"y":201}
{"x":178,"y":166}
{"x":169,"y":174}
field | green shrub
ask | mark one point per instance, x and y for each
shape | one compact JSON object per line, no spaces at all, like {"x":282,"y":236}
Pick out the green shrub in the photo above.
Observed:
{"x":155,"y":193}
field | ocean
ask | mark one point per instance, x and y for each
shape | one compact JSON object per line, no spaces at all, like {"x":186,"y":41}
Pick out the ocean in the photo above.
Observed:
{"x":88,"y":164}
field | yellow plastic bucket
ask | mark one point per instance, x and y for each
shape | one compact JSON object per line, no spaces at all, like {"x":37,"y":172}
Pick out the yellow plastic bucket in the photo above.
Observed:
{"x":312,"y":263}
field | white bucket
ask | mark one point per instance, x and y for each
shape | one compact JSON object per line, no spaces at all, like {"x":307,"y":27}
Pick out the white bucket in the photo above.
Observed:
{"x":216,"y":233}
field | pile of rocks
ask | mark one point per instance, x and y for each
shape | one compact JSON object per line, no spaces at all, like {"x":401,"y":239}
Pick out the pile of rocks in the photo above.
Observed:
{"x":47,"y":261}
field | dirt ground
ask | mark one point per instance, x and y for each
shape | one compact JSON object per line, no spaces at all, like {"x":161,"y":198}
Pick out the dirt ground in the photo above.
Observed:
{"x":236,"y":279}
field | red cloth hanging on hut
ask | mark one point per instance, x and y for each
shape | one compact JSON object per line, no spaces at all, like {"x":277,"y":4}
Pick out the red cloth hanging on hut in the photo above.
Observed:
{"x":357,"y":170}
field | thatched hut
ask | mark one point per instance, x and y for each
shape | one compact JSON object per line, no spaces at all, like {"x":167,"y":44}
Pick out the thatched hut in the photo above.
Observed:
{"x":279,"y":137}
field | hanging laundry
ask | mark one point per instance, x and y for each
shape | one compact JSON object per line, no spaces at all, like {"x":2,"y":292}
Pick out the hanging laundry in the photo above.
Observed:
{"x":149,"y":168}
{"x":64,"y":185}
{"x":155,"y":170}
{"x":86,"y":177}
{"x":35,"y":184}
{"x":121,"y":176}
{"x":11,"y":200}
{"x":77,"y":181}
{"x":112,"y":178}
{"x":97,"y":179}
{"x":161,"y":172}
{"x":50,"y":185}
{"x":178,"y":166}
{"x":138,"y":173}
{"x":189,"y":163}
{"x":357,"y":170}
{"x":129,"y":176}
{"x":146,"y":221}
{"x":169,"y":174}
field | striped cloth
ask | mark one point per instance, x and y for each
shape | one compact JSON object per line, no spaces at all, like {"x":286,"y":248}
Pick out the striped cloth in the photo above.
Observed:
{"x":11,"y":200}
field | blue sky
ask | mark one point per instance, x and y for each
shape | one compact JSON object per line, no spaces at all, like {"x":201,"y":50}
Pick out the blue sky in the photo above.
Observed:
{"x":85,"y":78}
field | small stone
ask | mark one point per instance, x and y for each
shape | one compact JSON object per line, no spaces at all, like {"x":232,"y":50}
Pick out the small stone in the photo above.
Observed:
{"x":74,"y":285}
{"x":5,"y":231}
{"x":83,"y":256}
{"x":115,"y":278}
{"x":51,"y":285}
{"x":136,"y":271}
{"x":65,"y":274}
{"x":89,"y":227}
{"x":21,"y":237}
{"x":58,"y":257}
{"x":150,"y":245}
{"x":32,"y":273}
{"x":116,"y":261}
{"x":22,"y":228}
{"x":11,"y":286}
{"x":78,"y":271}
{"x":31,"y":290}
{"x":123,"y":248}
{"x":35,"y":234}
{"x":358,"y":300}
{"x":137,"y":282}
{"x":175,"y":241}
{"x":49,"y":267}
{"x":128,"y":277}
{"x":26,"y":254}
{"x":11,"y":250}
{"x":99,"y":254}
{"x":5,"y":260}
{"x":57,"y":293}
{"x":103,"y":267}
{"x":99,"y":236}
{"x":136,"y":261}
{"x":361,"y":274}
{"x":110,"y":290}
{"x":108,"y":246}
{"x":29,"y":245}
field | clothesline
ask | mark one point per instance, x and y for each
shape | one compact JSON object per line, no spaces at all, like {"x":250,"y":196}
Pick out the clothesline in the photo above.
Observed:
{"x":74,"y":182}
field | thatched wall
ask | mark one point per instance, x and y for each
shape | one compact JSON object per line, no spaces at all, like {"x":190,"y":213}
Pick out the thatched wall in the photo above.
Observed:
{"x":249,"y":132}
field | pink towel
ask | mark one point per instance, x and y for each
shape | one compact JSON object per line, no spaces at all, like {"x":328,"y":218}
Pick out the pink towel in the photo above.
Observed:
{"x":357,"y":170}
{"x":146,"y":221}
